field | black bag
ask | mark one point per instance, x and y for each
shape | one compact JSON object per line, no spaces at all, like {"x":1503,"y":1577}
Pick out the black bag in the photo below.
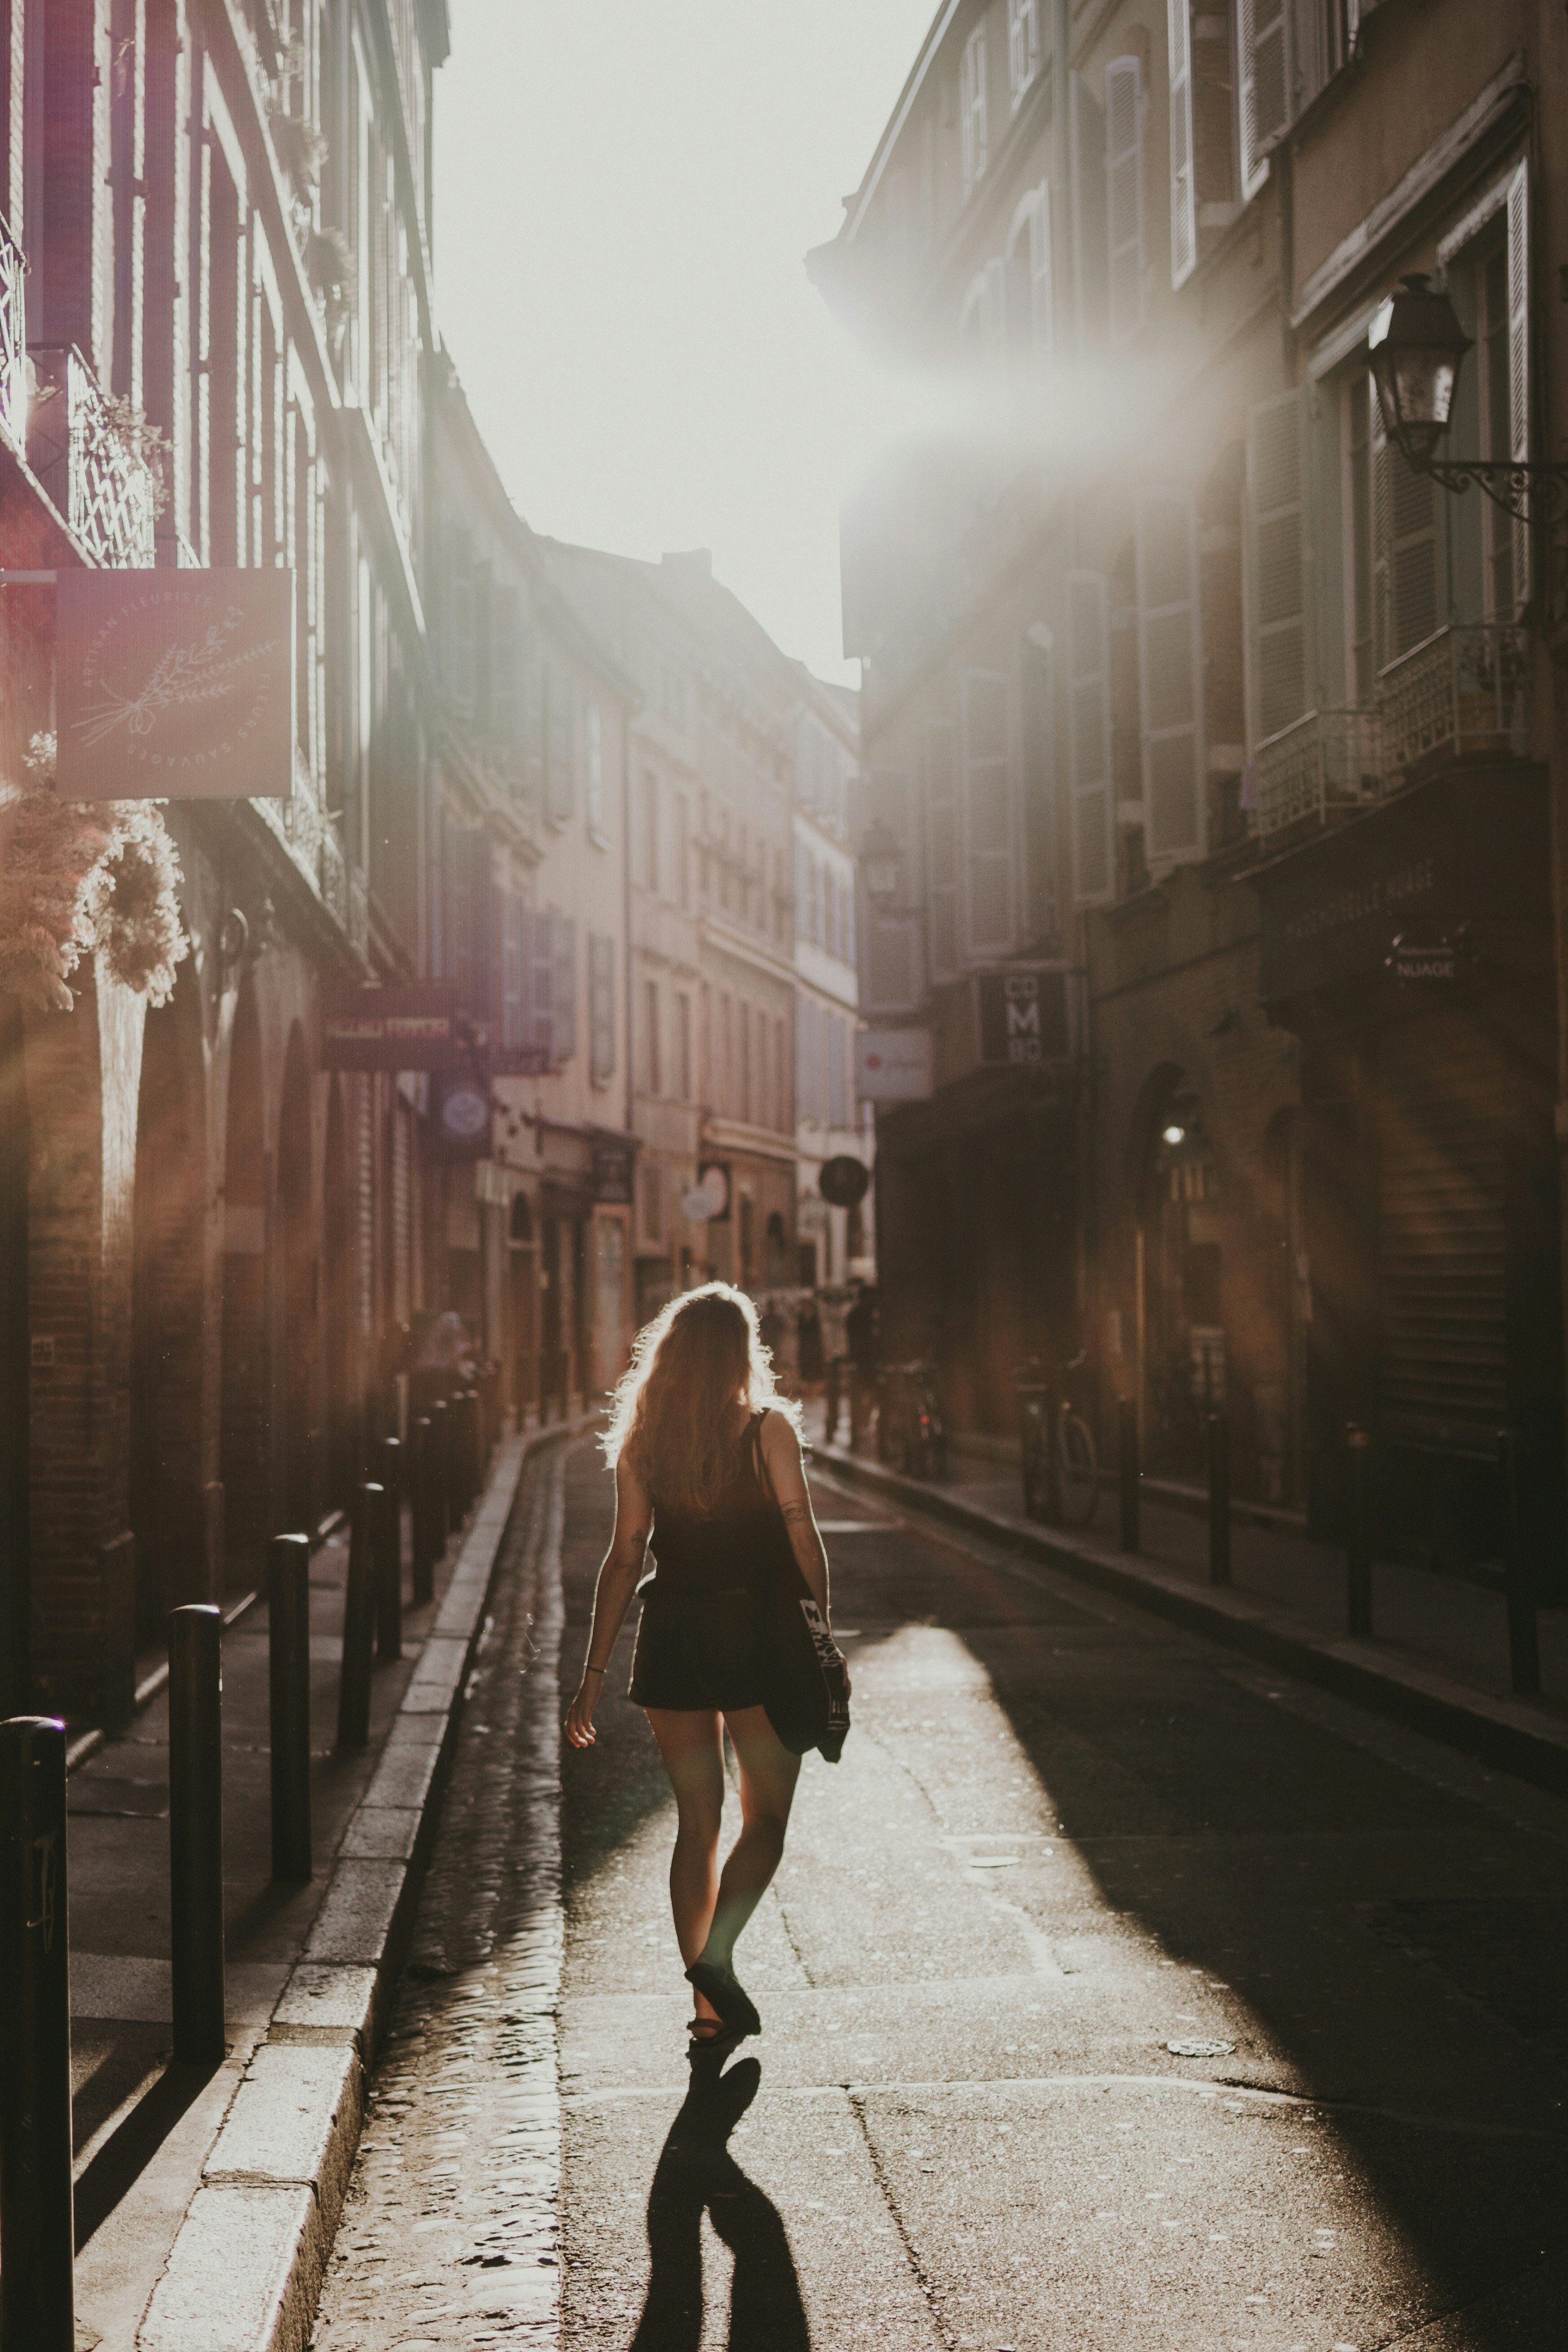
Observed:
{"x":806,"y":1680}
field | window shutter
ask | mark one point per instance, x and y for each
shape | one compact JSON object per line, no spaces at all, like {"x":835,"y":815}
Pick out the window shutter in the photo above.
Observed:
{"x":1519,"y":360}
{"x":1088,"y":738}
{"x":460,"y":678}
{"x":566,"y":1042}
{"x":1277,"y":556}
{"x":560,"y":781}
{"x":971,"y":106}
{"x":1407,"y":550}
{"x":1023,"y":45}
{"x":942,"y":849}
{"x":837,"y":1110}
{"x":542,"y":981}
{"x":1265,"y":86}
{"x":506,"y":665}
{"x":594,"y":767}
{"x":990,"y":926}
{"x":1124,"y":194}
{"x":1038,"y":746}
{"x":1088,"y":143}
{"x":1170,"y":670}
{"x":1042,"y":312}
{"x":1184,"y":194}
{"x":601,"y":1007}
{"x":514,"y":973}
{"x":471,"y":917}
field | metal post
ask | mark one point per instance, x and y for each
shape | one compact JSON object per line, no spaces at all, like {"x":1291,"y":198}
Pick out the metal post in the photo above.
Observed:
{"x":389,"y":1553}
{"x":443,"y":1518}
{"x":288,"y":1671}
{"x":1219,"y":1499}
{"x":196,"y":1832}
{"x":473,"y":1421}
{"x":1358,"y":1544}
{"x":37,"y":2232}
{"x":1519,"y":1583}
{"x":359,"y":1624}
{"x":1127,"y":1419}
{"x":426,"y":1544}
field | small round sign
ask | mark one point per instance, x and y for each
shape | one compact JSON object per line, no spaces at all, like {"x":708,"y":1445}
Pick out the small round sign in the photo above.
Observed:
{"x":465,"y":1111}
{"x":696,"y":1204}
{"x":844,"y":1181}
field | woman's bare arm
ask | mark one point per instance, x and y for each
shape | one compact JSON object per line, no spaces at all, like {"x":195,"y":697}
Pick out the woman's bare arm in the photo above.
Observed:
{"x":786,"y":1476}
{"x":617,"y":1582}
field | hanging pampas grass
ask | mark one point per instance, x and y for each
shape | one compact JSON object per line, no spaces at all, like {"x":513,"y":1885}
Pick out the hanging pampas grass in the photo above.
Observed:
{"x":82,"y":878}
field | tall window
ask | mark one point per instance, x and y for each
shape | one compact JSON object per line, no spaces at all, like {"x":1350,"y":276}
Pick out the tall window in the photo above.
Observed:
{"x":652,"y":1072}
{"x":1496,"y":426}
{"x":1023,"y":46}
{"x":971,"y":106}
{"x":593,"y":767}
{"x":650,"y":830}
{"x":683,"y":1046}
{"x":1357,"y":395}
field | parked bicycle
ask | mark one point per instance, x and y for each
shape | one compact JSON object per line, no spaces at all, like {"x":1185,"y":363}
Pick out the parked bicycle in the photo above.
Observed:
{"x":1059,"y":1459}
{"x":910,"y":1432}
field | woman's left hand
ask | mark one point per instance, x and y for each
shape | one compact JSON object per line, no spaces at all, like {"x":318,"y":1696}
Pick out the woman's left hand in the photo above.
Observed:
{"x":580,"y":1713}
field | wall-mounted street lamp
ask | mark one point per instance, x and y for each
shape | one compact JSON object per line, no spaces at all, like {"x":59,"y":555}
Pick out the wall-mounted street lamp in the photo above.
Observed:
{"x":881,"y":865}
{"x":1414,"y":346}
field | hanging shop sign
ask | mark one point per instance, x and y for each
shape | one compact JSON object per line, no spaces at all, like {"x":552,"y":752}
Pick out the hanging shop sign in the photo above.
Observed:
{"x":175,"y":685}
{"x":613,"y":1160}
{"x":844,"y":1181}
{"x":893,"y":1065}
{"x":1420,"y":964}
{"x":460,"y":1107}
{"x":420,"y":1027}
{"x":1023,"y":1016}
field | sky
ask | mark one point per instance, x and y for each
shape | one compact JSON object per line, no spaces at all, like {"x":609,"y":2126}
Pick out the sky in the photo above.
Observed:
{"x":626,"y":191}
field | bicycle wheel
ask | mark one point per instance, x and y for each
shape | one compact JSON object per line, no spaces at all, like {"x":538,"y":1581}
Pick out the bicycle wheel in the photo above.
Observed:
{"x":1081,"y":1471}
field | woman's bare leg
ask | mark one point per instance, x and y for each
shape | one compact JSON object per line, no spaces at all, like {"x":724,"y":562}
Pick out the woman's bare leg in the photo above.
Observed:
{"x":768,"y":1775}
{"x":692,"y":1745}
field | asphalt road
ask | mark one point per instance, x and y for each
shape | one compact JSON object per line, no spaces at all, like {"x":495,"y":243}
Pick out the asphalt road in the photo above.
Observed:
{"x":1064,"y":1841}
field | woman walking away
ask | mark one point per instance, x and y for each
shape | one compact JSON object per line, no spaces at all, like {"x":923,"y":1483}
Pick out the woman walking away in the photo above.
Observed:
{"x":705,"y":1452}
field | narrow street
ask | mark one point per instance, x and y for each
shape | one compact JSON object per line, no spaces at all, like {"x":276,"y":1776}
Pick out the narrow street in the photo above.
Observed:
{"x":1067,"y":1849}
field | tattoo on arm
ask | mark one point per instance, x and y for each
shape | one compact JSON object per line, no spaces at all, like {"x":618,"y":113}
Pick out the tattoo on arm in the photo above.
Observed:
{"x":801,"y":1511}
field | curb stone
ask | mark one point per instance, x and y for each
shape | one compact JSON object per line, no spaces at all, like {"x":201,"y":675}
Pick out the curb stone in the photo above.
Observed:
{"x":246,"y":2267}
{"x":1508,"y":1734}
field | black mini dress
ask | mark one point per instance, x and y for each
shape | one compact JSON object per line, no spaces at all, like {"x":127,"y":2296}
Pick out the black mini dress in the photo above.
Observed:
{"x":701,"y":1642}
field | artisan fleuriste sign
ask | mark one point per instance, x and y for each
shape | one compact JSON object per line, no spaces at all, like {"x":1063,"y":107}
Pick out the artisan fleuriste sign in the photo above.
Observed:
{"x":175,"y":685}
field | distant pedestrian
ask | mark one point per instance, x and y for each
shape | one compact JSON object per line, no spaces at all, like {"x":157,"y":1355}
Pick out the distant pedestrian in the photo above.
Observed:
{"x":863,"y":1336}
{"x":703,"y":1451}
{"x":809,"y":1346}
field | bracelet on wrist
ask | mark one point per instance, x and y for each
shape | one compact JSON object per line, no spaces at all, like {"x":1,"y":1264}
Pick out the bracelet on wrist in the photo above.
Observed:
{"x":594,"y":1670}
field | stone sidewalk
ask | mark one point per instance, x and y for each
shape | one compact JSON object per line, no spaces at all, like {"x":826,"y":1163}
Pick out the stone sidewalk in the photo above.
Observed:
{"x":205,"y":2202}
{"x":1438,"y":1657}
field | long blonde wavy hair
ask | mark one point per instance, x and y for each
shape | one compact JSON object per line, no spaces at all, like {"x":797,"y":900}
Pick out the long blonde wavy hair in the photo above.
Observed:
{"x":670,"y":1413}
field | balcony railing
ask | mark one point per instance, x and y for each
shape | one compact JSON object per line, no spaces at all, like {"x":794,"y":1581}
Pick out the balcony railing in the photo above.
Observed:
{"x":100,"y":481}
{"x":1465,"y":691}
{"x":1328,"y":760}
{"x":12,"y":342}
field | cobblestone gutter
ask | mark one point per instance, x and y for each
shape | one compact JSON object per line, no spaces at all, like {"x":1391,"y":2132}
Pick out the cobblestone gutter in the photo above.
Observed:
{"x":245,"y":2271}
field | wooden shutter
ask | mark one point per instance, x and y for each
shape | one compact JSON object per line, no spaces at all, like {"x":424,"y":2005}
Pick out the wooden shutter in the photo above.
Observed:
{"x":942,"y":849}
{"x":1124,"y":194}
{"x":1088,"y":738}
{"x":1277,"y":557}
{"x":566,"y":1042}
{"x":601,"y":1007}
{"x":990,"y":923}
{"x":1265,"y":86}
{"x":514,"y":973}
{"x":1518,"y":418}
{"x":470,"y":901}
{"x":1088,"y":145}
{"x":1042,"y":298}
{"x":541,"y":979}
{"x":1170,"y":670}
{"x":1037,"y":760}
{"x":560,"y":779}
{"x":1183,"y":191}
{"x":1409,"y":592}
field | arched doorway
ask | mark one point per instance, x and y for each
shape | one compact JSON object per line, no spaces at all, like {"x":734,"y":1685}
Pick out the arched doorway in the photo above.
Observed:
{"x":1183,"y":1352}
{"x":247,"y":1443}
{"x":170,"y":1479}
{"x":297,"y":1270}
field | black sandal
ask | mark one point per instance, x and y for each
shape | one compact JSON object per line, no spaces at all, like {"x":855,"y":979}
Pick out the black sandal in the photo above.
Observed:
{"x":722,"y":1991}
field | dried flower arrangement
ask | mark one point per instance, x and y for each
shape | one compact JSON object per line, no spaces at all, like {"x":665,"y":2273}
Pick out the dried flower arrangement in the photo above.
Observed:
{"x":80,"y":878}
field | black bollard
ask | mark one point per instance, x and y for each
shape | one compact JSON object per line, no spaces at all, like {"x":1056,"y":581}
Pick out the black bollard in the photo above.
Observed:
{"x":195,"y":1832}
{"x":426,"y":1544}
{"x":37,"y":2233}
{"x":359,"y":1624}
{"x":1127,"y":1431}
{"x":1219,"y":1499}
{"x":389,"y":1553}
{"x":443,"y":1518}
{"x":474,"y":1448}
{"x":1519,"y":1584}
{"x":1358,"y":1539}
{"x":289,"y":1677}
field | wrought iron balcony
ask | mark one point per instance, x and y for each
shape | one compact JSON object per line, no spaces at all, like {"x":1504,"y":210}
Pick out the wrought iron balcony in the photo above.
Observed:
{"x":12,"y":342}
{"x":1328,"y":759}
{"x":1464,"y":691}
{"x":88,"y":458}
